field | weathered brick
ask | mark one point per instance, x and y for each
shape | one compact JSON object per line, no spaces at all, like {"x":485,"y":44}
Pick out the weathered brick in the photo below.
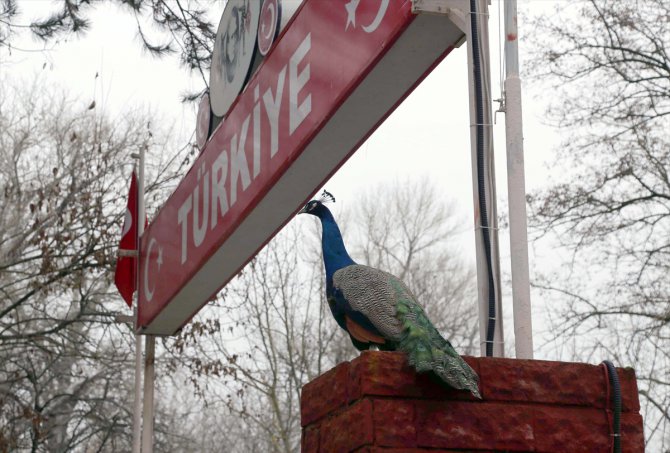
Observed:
{"x":389,"y":374}
{"x":573,"y":429}
{"x":463,"y":425}
{"x":564,"y":383}
{"x":394,"y":423}
{"x":310,"y":440}
{"x":354,"y":392}
{"x":379,"y":404}
{"x":384,"y":373}
{"x":473,"y":362}
{"x":324,"y":394}
{"x":349,"y":429}
{"x":417,"y":450}
{"x":629,"y":393}
{"x":632,"y":433}
{"x":541,"y":381}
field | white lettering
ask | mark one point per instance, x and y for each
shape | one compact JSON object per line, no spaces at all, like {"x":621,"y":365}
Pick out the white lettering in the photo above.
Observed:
{"x":219,"y":196}
{"x":257,"y":132}
{"x":272,"y":108}
{"x":297,"y":113}
{"x":238,"y":162}
{"x":182,"y":217}
{"x":209,"y":199}
{"x":200,"y":228}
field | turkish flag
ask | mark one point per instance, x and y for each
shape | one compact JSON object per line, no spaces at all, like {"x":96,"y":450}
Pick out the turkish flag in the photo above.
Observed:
{"x":126,"y":266}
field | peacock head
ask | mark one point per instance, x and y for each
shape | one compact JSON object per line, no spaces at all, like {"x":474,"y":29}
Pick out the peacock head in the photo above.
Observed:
{"x":316,"y":207}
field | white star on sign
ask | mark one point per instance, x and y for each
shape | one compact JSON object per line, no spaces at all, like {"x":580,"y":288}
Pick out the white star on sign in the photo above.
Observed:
{"x":351,"y":13}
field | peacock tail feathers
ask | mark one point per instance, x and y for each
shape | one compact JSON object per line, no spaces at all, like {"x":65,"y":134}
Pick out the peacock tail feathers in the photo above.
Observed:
{"x":427,"y":350}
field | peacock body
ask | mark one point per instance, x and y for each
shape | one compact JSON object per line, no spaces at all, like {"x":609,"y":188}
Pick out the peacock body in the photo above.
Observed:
{"x":378,"y":310}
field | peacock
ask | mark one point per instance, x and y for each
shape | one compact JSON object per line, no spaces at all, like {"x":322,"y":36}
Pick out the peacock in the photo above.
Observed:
{"x":378,"y":310}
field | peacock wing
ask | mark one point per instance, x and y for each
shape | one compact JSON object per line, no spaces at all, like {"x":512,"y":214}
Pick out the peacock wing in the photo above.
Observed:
{"x":390,"y":307}
{"x":375,"y":295}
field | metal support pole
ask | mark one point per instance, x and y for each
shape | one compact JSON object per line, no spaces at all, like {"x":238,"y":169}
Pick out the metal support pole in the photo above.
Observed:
{"x":137,"y":404}
{"x":516,"y":186}
{"x":148,"y":413}
{"x":490,"y":187}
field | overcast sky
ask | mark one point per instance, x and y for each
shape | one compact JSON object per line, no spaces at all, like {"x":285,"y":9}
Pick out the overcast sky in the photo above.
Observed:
{"x":427,"y":136}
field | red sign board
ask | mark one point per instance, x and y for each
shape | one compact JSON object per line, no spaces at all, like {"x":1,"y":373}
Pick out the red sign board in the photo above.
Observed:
{"x":338,"y":69}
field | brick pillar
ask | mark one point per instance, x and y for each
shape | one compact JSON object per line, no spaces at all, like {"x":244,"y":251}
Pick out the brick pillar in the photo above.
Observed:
{"x":377,"y":403}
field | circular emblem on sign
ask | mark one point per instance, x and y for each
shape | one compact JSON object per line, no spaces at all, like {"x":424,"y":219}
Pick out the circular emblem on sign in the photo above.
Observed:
{"x":148,"y":288}
{"x":233,"y":53}
{"x":268,"y":25}
{"x":204,"y":117}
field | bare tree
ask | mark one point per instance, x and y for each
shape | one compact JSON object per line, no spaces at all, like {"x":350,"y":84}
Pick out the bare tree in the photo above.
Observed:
{"x":273,"y":337}
{"x":65,"y":366}
{"x":271,"y":331}
{"x":608,"y":66}
{"x":163,"y":27}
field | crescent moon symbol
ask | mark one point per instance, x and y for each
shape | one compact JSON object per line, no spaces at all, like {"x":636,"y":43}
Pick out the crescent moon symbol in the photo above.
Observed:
{"x":271,"y":7}
{"x":378,"y":18}
{"x":147,"y":292}
{"x":127,"y":222}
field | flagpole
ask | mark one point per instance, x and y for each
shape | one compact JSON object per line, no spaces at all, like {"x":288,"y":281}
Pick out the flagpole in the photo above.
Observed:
{"x":150,"y":341}
{"x":148,"y":413}
{"x":137,"y":406}
{"x":516,"y":186}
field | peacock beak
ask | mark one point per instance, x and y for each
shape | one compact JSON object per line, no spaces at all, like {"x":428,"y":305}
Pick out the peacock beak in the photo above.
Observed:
{"x":303,"y":210}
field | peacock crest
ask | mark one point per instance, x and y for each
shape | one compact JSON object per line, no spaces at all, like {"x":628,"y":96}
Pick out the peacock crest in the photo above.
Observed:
{"x":326,"y":197}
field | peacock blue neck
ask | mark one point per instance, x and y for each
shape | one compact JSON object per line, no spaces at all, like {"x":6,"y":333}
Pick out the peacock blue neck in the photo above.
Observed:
{"x":335,"y":255}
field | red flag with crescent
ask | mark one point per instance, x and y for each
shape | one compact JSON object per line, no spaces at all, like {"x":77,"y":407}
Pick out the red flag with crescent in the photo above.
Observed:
{"x":126,"y":264}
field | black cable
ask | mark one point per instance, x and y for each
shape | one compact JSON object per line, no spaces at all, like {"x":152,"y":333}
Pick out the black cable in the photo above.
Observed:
{"x":481,"y":176}
{"x":616,"y":402}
